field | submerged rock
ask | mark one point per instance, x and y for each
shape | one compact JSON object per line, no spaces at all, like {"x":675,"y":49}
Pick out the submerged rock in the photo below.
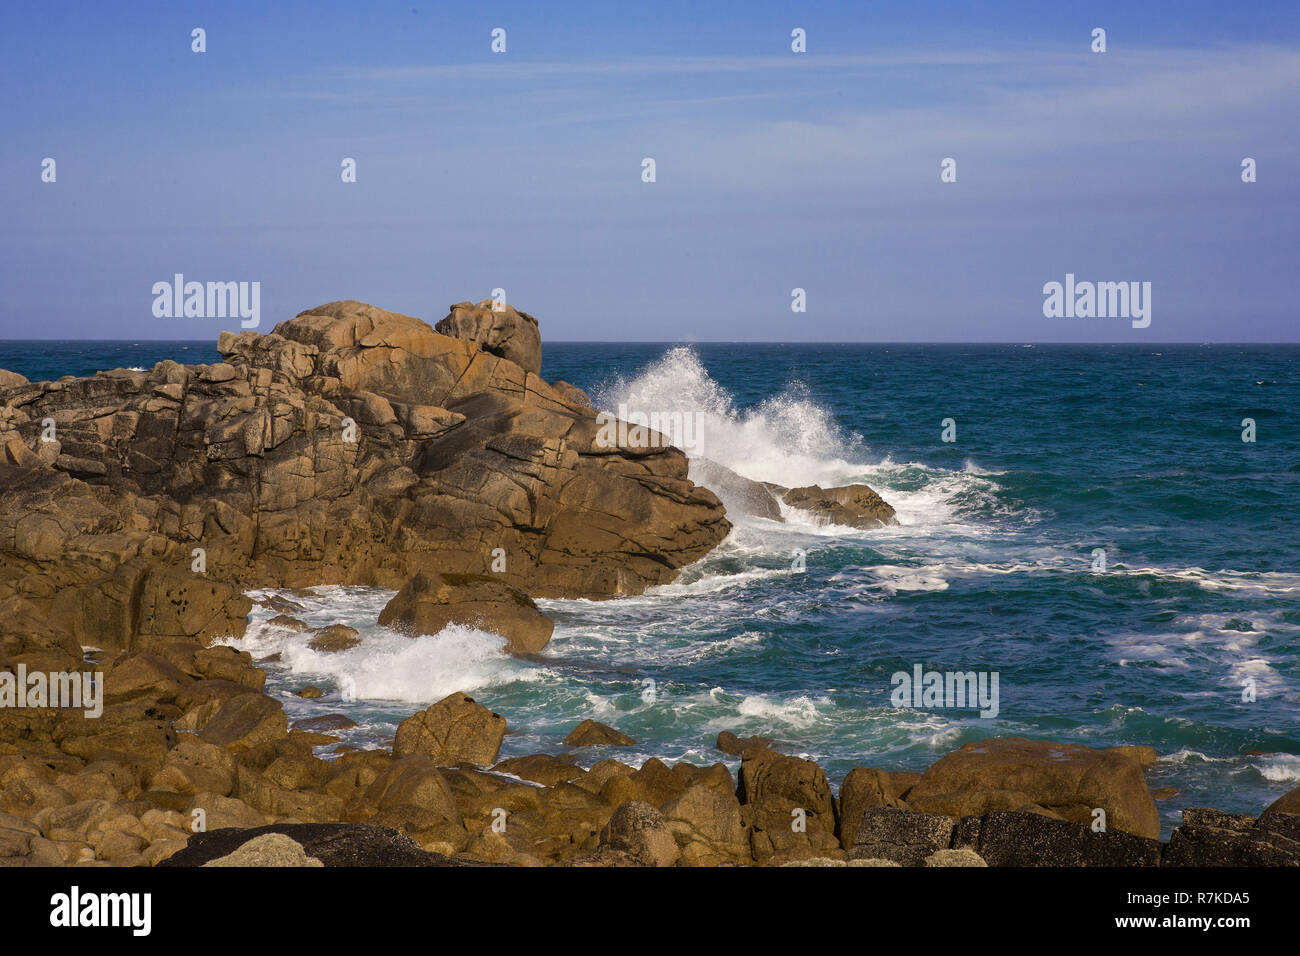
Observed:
{"x":856,"y":506}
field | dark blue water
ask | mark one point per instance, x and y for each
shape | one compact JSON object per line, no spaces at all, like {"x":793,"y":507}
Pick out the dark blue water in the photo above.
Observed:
{"x":1060,"y":450}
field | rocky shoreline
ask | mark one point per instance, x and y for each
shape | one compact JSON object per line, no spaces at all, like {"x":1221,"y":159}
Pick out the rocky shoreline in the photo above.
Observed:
{"x":188,"y":741}
{"x":357,"y":446}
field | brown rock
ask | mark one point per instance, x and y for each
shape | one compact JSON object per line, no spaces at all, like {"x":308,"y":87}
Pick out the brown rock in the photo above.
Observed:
{"x":429,"y":602}
{"x":856,"y":506}
{"x":1065,"y":780}
{"x":453,"y":730}
{"x":245,"y":721}
{"x":505,"y":332}
{"x":336,"y":637}
{"x":639,"y":830}
{"x":787,"y":803}
{"x":729,"y":743}
{"x":592,"y":733}
{"x":289,"y":623}
{"x":865,"y":787}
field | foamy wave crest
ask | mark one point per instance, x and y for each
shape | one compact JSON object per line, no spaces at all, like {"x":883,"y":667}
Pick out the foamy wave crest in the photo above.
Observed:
{"x":788,"y":438}
{"x":1280,"y":768}
{"x":792,"y":440}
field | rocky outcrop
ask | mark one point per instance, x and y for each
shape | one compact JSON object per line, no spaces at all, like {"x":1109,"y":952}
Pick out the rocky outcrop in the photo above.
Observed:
{"x":499,"y":330}
{"x":787,"y":804}
{"x":429,"y":602}
{"x":640,"y":831}
{"x":348,"y":446}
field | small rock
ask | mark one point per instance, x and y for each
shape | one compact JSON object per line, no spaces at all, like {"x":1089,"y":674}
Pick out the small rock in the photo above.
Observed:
{"x":592,"y":733}
{"x":270,"y":849}
{"x":335,"y":638}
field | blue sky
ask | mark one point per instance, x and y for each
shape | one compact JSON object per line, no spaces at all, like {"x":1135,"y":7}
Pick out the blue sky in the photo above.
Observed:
{"x":774,"y":170}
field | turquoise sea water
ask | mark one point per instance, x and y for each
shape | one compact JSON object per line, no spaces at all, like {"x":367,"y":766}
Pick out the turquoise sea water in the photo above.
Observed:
{"x":1060,"y":450}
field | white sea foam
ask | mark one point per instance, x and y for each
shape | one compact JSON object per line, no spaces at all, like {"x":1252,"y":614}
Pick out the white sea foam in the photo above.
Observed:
{"x":1279,"y":768}
{"x":385,"y":665}
{"x":792,"y":440}
{"x":798,"y":712}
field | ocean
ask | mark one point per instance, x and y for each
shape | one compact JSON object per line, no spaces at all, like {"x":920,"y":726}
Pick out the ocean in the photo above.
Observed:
{"x":1059,"y":451}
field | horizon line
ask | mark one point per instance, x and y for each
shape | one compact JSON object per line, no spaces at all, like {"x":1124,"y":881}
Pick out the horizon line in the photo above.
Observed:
{"x":1018,"y":342}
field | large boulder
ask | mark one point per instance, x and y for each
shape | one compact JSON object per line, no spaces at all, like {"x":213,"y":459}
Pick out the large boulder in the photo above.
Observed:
{"x":905,"y":837}
{"x":502,"y":331}
{"x":454,"y":730}
{"x":708,"y":827}
{"x":269,"y":849}
{"x":429,"y":602}
{"x":1068,"y":781}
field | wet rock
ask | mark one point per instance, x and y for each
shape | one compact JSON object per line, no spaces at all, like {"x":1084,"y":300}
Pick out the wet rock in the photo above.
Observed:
{"x":324,"y":723}
{"x":739,"y":494}
{"x":430,"y":602}
{"x":729,"y":743}
{"x":592,"y":733}
{"x":335,"y":638}
{"x":856,"y":506}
